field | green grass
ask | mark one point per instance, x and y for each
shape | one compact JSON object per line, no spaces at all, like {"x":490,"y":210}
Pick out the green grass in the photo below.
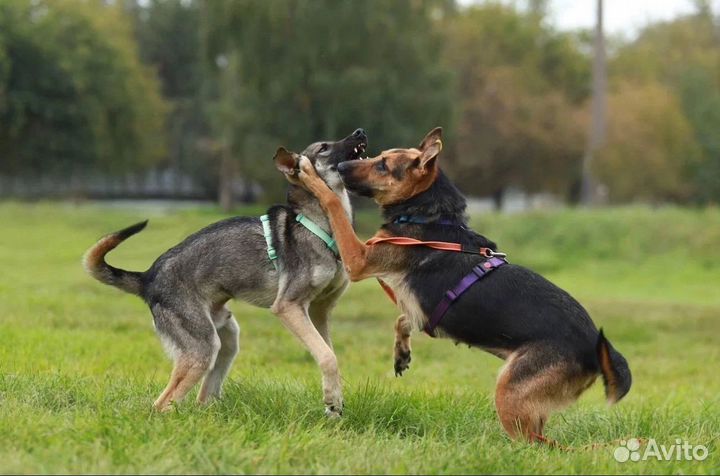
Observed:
{"x":80,"y":364}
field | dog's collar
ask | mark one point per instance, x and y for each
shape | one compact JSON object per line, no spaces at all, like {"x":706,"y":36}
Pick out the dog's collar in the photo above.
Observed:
{"x":319,"y":232}
{"x":424,"y":220}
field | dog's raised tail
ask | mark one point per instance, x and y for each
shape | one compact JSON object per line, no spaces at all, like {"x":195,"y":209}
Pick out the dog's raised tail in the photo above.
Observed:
{"x":614,"y":368}
{"x":95,"y":265}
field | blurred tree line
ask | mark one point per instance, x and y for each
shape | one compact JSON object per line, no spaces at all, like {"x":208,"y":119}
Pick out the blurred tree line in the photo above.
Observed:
{"x":209,"y":88}
{"x":73,"y":94}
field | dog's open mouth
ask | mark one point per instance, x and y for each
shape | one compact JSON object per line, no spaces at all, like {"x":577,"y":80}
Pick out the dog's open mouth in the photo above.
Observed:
{"x":357,"y":151}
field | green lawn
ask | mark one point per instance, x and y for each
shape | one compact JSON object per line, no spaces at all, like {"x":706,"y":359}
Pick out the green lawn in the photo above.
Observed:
{"x":80,"y":364}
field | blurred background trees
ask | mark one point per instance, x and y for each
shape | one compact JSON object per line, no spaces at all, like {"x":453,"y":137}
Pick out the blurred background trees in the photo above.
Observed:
{"x":297,"y":72}
{"x":520,"y":101}
{"x":74,"y":95}
{"x":204,"y":91}
{"x":683,"y":56}
{"x":168,"y":38}
{"x":651,"y":151}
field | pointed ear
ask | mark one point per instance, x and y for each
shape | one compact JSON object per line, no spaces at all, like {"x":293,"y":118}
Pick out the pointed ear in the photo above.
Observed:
{"x":428,"y":159}
{"x":430,"y":138}
{"x":286,"y":161}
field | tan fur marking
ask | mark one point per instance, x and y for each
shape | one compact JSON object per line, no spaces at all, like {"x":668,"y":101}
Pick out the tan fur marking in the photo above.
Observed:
{"x":406,"y":300}
{"x":402,"y":335}
{"x":162,"y":404}
{"x":415,"y":180}
{"x":607,"y":370}
{"x":95,"y":255}
{"x":402,"y":349}
{"x":524,"y":406}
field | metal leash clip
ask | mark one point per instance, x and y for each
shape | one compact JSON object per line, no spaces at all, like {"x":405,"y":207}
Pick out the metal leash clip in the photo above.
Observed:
{"x":488,"y":253}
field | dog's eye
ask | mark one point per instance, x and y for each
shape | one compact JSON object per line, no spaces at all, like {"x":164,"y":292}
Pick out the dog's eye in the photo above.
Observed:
{"x":323,"y":147}
{"x":381,"y":166}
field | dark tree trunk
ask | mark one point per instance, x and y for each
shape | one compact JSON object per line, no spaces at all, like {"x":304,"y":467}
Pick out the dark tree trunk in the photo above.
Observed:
{"x":225,"y":182}
{"x":498,"y":198}
{"x":574,"y":192}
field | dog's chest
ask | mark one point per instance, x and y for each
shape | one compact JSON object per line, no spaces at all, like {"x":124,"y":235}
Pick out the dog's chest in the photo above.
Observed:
{"x":328,"y":280}
{"x":406,"y":299}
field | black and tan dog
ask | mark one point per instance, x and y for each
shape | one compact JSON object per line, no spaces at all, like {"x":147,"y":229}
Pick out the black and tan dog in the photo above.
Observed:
{"x":284,"y":260}
{"x":552,"y":349}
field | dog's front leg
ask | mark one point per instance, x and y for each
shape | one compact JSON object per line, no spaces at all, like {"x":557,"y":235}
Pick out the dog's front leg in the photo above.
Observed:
{"x":402,"y":345}
{"x":319,"y":312}
{"x":295,"y":317}
{"x":354,"y":253}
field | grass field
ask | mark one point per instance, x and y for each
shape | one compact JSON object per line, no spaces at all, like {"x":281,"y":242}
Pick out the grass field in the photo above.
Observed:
{"x":80,"y":364}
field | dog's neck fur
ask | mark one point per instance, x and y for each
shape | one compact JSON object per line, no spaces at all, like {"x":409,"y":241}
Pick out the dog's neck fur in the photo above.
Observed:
{"x":442,"y":199}
{"x":302,"y":201}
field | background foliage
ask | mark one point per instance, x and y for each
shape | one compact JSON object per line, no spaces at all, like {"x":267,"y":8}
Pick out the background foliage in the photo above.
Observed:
{"x":209,"y":89}
{"x":73,"y":94}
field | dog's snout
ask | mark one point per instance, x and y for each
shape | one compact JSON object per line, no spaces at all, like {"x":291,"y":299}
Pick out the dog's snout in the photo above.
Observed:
{"x":359,"y":134}
{"x":343,"y":167}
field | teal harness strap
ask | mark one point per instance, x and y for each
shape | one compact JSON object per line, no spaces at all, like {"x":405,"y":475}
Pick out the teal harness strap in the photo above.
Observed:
{"x":319,"y":232}
{"x":272,"y":254}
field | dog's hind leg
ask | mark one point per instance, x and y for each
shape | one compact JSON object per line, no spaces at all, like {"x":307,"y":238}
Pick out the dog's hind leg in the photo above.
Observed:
{"x":296,"y":319}
{"x":402,"y":350}
{"x":532,"y":384}
{"x":162,"y":403}
{"x":229,"y":345}
{"x":193,"y":344}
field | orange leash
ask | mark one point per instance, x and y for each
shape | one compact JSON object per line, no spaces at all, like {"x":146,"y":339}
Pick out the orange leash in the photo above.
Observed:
{"x":437,"y":245}
{"x":388,"y":290}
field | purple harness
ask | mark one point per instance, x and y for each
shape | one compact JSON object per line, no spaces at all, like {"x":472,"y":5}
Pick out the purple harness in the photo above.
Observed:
{"x":494,"y":261}
{"x":452,"y":295}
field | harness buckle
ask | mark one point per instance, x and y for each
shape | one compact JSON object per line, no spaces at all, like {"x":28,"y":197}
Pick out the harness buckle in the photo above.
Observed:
{"x":497,"y":254}
{"x":478,"y":271}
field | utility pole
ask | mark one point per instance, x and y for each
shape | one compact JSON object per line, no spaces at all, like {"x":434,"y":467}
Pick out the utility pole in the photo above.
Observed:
{"x":596,"y":136}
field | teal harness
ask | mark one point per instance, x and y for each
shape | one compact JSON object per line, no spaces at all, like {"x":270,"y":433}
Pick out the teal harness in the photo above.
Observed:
{"x":304,"y":221}
{"x":272,"y":254}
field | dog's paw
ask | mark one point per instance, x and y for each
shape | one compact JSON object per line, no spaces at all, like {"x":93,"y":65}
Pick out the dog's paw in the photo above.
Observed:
{"x":307,"y":167}
{"x":333,"y":411}
{"x":165,"y":407}
{"x":402,"y":361}
{"x":313,"y":183}
{"x":307,"y":173}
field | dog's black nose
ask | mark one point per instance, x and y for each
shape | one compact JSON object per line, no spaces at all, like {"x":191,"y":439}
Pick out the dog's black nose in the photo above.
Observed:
{"x":359,"y":134}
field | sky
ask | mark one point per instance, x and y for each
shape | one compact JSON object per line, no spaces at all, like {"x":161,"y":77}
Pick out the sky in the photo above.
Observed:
{"x":623,"y":17}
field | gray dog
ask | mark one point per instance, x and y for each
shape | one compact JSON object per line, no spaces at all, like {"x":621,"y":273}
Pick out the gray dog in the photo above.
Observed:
{"x":285,"y":261}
